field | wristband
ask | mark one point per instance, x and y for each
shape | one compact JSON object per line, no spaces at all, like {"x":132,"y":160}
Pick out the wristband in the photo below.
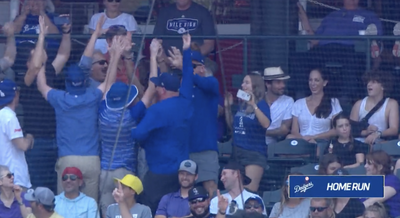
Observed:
{"x":69,"y":31}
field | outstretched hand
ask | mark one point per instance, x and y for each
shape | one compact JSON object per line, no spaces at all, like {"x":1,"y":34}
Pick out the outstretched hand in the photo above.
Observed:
{"x":8,"y":29}
{"x":118,"y":193}
{"x":99,"y":31}
{"x":117,"y":46}
{"x":187,"y":40}
{"x":222,"y":202}
{"x":155,"y":47}
{"x":175,"y":58}
{"x":44,"y":29}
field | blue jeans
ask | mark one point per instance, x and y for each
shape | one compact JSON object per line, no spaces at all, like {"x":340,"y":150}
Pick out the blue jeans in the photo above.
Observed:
{"x":41,"y":163}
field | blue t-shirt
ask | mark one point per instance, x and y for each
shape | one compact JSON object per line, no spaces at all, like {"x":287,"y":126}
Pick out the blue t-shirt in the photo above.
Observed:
{"x":31,"y":27}
{"x":165,"y":129}
{"x":14,"y":211}
{"x":204,"y":125}
{"x":76,"y":118}
{"x":347,"y":23}
{"x":109,"y":124}
{"x":247,"y":130}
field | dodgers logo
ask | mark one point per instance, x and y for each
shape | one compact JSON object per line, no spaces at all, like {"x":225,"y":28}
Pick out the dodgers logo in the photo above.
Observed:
{"x":182,"y":25}
{"x":308,"y":185}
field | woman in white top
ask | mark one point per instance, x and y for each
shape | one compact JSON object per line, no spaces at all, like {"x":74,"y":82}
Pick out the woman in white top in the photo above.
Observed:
{"x":312,"y":115}
{"x":113,"y":17}
{"x":385,"y":121}
{"x":290,"y":207}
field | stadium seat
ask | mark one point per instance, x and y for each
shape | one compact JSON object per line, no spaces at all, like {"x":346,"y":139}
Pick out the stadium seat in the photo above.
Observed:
{"x":309,"y":169}
{"x":292,"y":150}
{"x":390,"y":147}
{"x":271,"y":197}
{"x":225,"y":150}
{"x":360,"y":170}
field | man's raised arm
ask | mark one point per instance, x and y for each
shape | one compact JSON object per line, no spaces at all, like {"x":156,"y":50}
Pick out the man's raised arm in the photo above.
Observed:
{"x":64,"y":50}
{"x":11,"y":51}
{"x":186,"y":89}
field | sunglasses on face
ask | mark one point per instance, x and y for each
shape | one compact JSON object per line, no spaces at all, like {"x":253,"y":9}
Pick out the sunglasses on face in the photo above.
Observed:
{"x":249,"y":206}
{"x":195,"y":65}
{"x":8,"y":175}
{"x":197,"y":200}
{"x":118,"y":1}
{"x":70,"y":177}
{"x":319,"y":209}
{"x":101,"y":62}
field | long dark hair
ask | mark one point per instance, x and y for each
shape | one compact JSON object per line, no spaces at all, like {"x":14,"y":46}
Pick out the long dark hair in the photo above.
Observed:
{"x":325,"y":161}
{"x":341,"y":115}
{"x":324,"y":109}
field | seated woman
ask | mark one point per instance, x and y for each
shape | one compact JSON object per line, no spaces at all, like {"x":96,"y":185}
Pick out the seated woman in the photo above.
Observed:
{"x":312,"y":115}
{"x":352,"y":152}
{"x":248,"y":126}
{"x":290,"y":207}
{"x":385,"y":121}
{"x":376,"y":210}
{"x":328,"y":164}
{"x":379,"y":163}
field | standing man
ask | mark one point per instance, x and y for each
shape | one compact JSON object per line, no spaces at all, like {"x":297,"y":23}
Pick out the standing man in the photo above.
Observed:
{"x":280,"y":104}
{"x":13,"y":144}
{"x":164,"y":130}
{"x":182,"y":17}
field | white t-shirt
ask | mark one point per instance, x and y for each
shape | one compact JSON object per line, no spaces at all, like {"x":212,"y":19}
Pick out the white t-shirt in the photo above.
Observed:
{"x":238,"y":199}
{"x":309,"y":124}
{"x":281,"y":110}
{"x":126,"y":20}
{"x":10,"y":155}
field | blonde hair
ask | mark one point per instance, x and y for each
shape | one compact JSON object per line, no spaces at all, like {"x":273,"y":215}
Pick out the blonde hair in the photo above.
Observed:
{"x":377,"y":208}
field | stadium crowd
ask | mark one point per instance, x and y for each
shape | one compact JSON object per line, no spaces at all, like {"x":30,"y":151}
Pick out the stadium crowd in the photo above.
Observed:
{"x":119,"y":146}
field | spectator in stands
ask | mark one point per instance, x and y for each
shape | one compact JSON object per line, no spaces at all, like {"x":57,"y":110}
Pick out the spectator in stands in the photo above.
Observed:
{"x":254,"y":205}
{"x":312,"y":115}
{"x":28,"y":22}
{"x":352,"y":152}
{"x":347,"y":21}
{"x":199,"y":203}
{"x":203,"y":150}
{"x":248,"y":126}
{"x":291,"y":206}
{"x":176,"y":204}
{"x":280,"y":104}
{"x":76,"y":114}
{"x":379,"y":163}
{"x":12,"y":205}
{"x":72,"y":182}
{"x":39,"y":116}
{"x":377,"y":210}
{"x":384,"y":122}
{"x":13,"y":143}
{"x":347,"y":207}
{"x":234,"y":180}
{"x":321,"y":208}
{"x":42,"y":203}
{"x":10,"y":52}
{"x":125,"y":195}
{"x":125,"y":69}
{"x":113,"y":16}
{"x":182,"y":17}
{"x":164,"y":130}
{"x":328,"y":164}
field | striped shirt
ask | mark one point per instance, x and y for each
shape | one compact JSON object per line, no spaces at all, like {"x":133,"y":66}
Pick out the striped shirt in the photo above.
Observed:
{"x":125,"y":153}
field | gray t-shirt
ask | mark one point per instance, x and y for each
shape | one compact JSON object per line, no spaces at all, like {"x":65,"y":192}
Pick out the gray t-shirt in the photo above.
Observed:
{"x":300,"y":211}
{"x":137,"y":211}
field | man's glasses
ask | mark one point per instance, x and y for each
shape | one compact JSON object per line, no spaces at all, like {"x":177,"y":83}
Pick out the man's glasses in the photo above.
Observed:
{"x":114,"y":0}
{"x":101,"y":62}
{"x":70,"y":177}
{"x":319,"y":209}
{"x":197,"y":200}
{"x":8,"y":175}
{"x":249,"y":206}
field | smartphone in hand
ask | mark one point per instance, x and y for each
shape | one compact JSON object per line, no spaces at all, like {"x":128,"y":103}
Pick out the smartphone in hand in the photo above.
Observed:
{"x":61,"y":20}
{"x":243,"y":95}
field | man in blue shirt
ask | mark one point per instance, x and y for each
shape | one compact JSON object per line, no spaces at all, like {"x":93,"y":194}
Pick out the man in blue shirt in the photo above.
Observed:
{"x":76,"y":117}
{"x":347,"y":21}
{"x":164,"y":130}
{"x":204,"y":125}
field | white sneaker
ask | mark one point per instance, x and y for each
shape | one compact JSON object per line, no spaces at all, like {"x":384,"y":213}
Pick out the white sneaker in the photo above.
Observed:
{"x":371,"y":30}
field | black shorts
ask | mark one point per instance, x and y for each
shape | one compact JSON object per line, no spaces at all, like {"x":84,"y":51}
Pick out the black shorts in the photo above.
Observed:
{"x":246,"y":157}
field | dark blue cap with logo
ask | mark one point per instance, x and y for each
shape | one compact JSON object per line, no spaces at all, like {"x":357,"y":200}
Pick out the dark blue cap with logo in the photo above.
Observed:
{"x":7,"y":91}
{"x":197,"y":56}
{"x":197,"y":192}
{"x":75,"y":80}
{"x":169,"y":81}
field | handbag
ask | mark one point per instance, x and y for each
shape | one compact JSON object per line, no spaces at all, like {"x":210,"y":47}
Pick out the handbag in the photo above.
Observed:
{"x":358,"y":126}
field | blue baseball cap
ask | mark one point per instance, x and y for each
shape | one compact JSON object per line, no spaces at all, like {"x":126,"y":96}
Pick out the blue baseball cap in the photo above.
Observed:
{"x":169,"y":81}
{"x":197,"y":56}
{"x":7,"y":91}
{"x":117,"y":95}
{"x":75,"y":80}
